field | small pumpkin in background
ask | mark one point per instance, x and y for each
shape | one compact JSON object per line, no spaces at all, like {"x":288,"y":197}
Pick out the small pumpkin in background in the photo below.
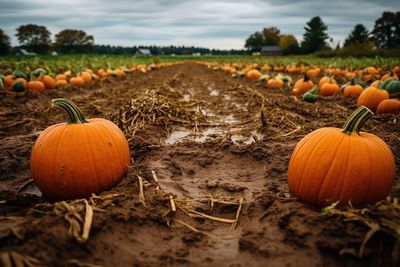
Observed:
{"x":48,"y":81}
{"x":36,"y":86}
{"x":75,"y":159}
{"x":8,"y":80}
{"x":86,"y":76}
{"x":388,"y":106}
{"x":18,"y":87}
{"x":353,"y":89}
{"x":332,"y":164}
{"x":253,"y":74}
{"x":61,"y":77}
{"x":371,"y":97}
{"x":302,"y":85}
{"x":311,"y":95}
{"x":61,"y":83}
{"x":371,"y":70}
{"x":388,"y":75}
{"x":325,"y":79}
{"x":275,"y":83}
{"x":313,"y":73}
{"x":329,"y":88}
{"x":77,"y":81}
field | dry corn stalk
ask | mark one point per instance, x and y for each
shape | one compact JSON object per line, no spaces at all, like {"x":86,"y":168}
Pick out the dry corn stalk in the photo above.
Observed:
{"x":383,"y":216}
{"x":78,"y":213}
{"x":162,"y":107}
{"x":187,"y":206}
{"x":13,"y":258}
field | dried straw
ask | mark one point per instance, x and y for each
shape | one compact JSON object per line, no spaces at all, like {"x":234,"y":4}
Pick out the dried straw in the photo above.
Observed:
{"x":384,"y":216}
{"x":160,"y":107}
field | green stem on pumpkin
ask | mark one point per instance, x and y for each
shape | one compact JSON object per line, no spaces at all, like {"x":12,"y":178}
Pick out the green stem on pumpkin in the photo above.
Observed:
{"x":357,"y":120}
{"x":74,"y":115}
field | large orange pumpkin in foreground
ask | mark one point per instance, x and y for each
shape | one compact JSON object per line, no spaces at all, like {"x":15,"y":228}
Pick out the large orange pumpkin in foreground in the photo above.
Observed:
{"x":331,"y":164}
{"x":75,"y":159}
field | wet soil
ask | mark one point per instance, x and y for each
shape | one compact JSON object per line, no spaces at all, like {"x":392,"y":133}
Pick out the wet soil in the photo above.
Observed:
{"x":240,"y":155}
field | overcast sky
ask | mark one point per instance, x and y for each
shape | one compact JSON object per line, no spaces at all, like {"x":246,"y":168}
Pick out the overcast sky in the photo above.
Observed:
{"x":220,"y":24}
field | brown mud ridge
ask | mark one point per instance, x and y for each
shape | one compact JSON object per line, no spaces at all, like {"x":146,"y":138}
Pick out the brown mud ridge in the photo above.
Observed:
{"x":211,"y":193}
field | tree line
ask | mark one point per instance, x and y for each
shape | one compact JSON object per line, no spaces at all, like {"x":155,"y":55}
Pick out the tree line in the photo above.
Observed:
{"x":36,"y":38}
{"x":385,"y":35}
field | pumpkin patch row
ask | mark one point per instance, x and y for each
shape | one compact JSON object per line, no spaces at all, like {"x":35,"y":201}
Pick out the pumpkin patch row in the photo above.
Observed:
{"x":371,"y":86}
{"x":39,"y":80}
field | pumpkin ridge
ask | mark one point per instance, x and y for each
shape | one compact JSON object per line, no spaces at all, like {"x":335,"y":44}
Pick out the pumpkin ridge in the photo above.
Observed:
{"x":380,"y":143}
{"x":119,"y":149}
{"x":306,"y":163}
{"x":111,"y":136}
{"x":90,"y":149}
{"x":321,"y":186}
{"x":44,"y":155}
{"x":370,"y":177}
{"x":105,"y":132}
{"x":342,"y":181}
{"x":297,"y":151}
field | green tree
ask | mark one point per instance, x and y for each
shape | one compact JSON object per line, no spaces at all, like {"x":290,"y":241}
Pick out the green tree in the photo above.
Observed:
{"x":271,"y":36}
{"x":387,"y":30}
{"x":33,"y":37}
{"x":359,"y":35}
{"x":315,"y":36}
{"x":5,"y":45}
{"x":255,"y":42}
{"x":288,"y":43}
{"x":73,"y":41}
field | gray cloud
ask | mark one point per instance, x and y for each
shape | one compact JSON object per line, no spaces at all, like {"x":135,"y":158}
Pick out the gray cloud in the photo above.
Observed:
{"x":216,"y":24}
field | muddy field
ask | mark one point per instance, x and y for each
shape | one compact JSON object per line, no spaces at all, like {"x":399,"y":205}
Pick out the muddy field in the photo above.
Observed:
{"x":231,"y":163}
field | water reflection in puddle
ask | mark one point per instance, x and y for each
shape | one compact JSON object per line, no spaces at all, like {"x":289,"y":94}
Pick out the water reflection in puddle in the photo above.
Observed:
{"x":183,"y":134}
{"x":214,"y":93}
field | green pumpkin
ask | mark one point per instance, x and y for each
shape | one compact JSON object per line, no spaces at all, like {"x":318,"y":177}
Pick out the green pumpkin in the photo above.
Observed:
{"x":18,"y":87}
{"x":393,"y":86}
{"x":311,"y":95}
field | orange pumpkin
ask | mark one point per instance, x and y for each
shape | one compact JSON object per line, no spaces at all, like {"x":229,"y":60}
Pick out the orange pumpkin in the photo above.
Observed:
{"x":61,"y":77}
{"x":331,"y":164}
{"x":86,"y":76}
{"x":302,"y":85}
{"x":325,"y":79}
{"x":120,"y":73}
{"x":48,"y":81}
{"x":61,"y":83}
{"x":275,"y":83}
{"x":353,"y":90}
{"x":77,"y":81}
{"x":371,"y":97}
{"x":9,"y":80}
{"x":330,"y":88}
{"x":312,"y":73}
{"x":388,"y":106}
{"x":371,"y":70}
{"x":253,"y":74}
{"x":75,"y":159}
{"x":36,"y":86}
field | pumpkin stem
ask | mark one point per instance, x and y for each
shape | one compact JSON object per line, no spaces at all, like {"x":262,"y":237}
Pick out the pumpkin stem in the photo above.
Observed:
{"x":357,"y":120}
{"x":74,"y":115}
